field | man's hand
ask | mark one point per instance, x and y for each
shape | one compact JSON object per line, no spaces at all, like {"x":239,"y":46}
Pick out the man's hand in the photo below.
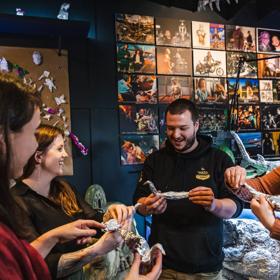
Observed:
{"x":152,"y":204}
{"x":262,"y":209}
{"x":203,"y":196}
{"x":235,"y":176}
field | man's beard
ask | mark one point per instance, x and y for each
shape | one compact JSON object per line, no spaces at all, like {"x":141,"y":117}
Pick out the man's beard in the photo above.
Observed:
{"x":189,"y":143}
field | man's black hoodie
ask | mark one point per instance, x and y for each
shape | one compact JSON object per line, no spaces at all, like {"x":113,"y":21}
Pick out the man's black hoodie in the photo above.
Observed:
{"x":191,"y":236}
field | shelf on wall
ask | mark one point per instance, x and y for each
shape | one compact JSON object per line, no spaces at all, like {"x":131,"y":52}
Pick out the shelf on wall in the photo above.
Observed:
{"x":40,"y":26}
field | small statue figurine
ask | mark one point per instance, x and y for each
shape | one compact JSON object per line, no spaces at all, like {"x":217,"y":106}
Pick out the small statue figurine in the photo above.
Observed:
{"x":63,"y":12}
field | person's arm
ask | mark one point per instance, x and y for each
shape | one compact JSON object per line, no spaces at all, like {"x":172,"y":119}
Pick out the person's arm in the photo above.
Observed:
{"x":72,"y":262}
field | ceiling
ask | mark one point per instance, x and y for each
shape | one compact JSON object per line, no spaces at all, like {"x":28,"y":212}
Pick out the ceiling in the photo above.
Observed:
{"x":227,"y":11}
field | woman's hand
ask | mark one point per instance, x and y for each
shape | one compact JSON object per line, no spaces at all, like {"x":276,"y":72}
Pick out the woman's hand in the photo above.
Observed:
{"x":155,"y":272}
{"x":119,"y":212}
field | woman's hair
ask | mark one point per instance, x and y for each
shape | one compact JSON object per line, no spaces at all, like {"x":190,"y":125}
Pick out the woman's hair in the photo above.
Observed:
{"x":60,"y":191}
{"x":17,"y":106}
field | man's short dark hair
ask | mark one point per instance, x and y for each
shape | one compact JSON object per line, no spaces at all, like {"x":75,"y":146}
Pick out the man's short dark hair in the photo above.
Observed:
{"x":179,"y":106}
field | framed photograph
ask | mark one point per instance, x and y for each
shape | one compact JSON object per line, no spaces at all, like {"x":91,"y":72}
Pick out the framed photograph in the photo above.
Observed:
{"x":173,"y":32}
{"x":269,"y":145}
{"x":138,"y":119}
{"x":252,"y":142}
{"x":135,"y":29}
{"x":276,"y":91}
{"x":209,"y":63}
{"x":269,"y":67}
{"x":217,"y":36}
{"x":268,"y":40}
{"x":171,"y":88}
{"x":174,"y":61}
{"x":249,"y":117}
{"x":212,"y":119}
{"x":201,"y":34}
{"x":271,"y":117}
{"x":276,"y":142}
{"x":266,"y":91}
{"x":136,"y":58}
{"x":210,"y":90}
{"x":240,"y":38}
{"x":134,"y":88}
{"x":162,"y":126}
{"x":248,"y":90}
{"x":136,"y":148}
{"x":249,"y":69}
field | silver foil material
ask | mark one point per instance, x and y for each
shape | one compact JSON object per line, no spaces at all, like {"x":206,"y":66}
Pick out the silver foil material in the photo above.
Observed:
{"x":167,"y":195}
{"x":274,"y":200}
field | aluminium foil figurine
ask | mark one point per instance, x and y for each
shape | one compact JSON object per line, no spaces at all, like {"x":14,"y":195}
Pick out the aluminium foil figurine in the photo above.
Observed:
{"x":260,"y":165}
{"x":37,"y":57}
{"x":134,"y":241}
{"x":274,"y":200}
{"x":167,"y":195}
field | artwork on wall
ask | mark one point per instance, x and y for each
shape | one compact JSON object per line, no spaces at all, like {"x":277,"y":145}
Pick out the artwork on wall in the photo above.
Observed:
{"x":268,"y":40}
{"x":139,"y":119}
{"x":268,"y":68}
{"x":210,"y":90}
{"x":162,"y":59}
{"x":212,"y":119}
{"x":46,"y":71}
{"x":217,"y":36}
{"x":173,"y":32}
{"x":271,"y":117}
{"x":240,"y":38}
{"x":248,"y":90}
{"x":135,"y":148}
{"x":133,"y":88}
{"x":174,"y":61}
{"x":174,"y":87}
{"x":135,"y":29}
{"x":201,"y":34}
{"x":248,"y":70}
{"x":209,"y":63}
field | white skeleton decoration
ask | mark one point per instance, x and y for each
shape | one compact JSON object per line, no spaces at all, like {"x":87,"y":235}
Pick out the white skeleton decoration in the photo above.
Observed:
{"x":50,"y":84}
{"x":60,"y":100}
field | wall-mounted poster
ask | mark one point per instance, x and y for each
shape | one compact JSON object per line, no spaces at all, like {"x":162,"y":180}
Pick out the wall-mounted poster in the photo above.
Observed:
{"x":138,"y":119}
{"x":135,"y":148}
{"x":174,"y":87}
{"x":173,"y":32}
{"x":271,"y":117}
{"x":249,"y":117}
{"x":135,"y":28}
{"x":174,"y":61}
{"x":252,"y":142}
{"x":269,"y":67}
{"x":276,"y":142}
{"x":248,"y":90}
{"x":240,"y":38}
{"x":266,"y":91}
{"x":268,"y":40}
{"x":217,"y":36}
{"x":209,"y":63}
{"x":201,"y":34}
{"x":268,"y":145}
{"x":276,"y":91}
{"x":47,"y":71}
{"x":137,"y":88}
{"x":210,"y":90}
{"x":249,"y":69}
{"x":136,"y":58}
{"x":212,"y":119}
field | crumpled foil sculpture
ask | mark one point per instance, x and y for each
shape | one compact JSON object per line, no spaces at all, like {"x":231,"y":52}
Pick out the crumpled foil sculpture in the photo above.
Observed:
{"x":134,"y":242}
{"x":167,"y":195}
{"x":63,"y":12}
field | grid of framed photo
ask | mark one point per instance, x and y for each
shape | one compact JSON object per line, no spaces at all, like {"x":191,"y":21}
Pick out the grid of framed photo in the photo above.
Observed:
{"x":161,"y":59}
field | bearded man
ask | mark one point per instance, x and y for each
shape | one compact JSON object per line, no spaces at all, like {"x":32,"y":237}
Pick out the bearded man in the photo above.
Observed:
{"x":190,"y":229}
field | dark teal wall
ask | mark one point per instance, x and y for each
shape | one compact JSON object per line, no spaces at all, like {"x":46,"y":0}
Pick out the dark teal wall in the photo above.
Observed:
{"x":92,"y":73}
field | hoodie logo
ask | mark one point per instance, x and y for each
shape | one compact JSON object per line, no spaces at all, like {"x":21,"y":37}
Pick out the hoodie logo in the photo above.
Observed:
{"x":202,"y":175}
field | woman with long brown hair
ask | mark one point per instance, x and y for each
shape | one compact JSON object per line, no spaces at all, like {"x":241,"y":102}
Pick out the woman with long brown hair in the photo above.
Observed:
{"x":50,"y":201}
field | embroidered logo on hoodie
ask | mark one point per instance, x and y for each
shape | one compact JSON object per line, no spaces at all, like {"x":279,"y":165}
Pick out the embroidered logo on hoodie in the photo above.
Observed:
{"x":202,"y":175}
